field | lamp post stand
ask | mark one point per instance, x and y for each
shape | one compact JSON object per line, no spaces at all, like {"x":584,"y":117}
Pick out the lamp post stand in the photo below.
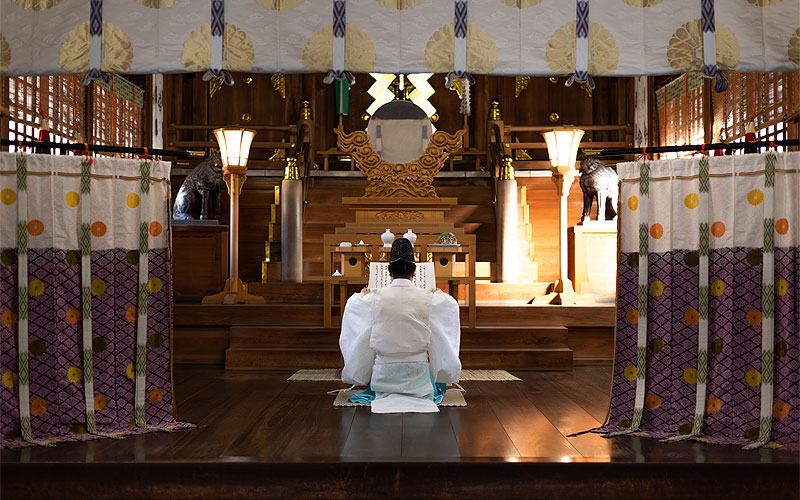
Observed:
{"x":234,"y":292}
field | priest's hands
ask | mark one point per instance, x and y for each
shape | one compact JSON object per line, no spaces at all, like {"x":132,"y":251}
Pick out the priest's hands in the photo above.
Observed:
{"x":365,"y":290}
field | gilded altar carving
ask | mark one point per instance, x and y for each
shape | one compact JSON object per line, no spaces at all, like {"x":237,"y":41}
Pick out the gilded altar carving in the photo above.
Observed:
{"x":399,"y":216}
{"x":412,"y":179}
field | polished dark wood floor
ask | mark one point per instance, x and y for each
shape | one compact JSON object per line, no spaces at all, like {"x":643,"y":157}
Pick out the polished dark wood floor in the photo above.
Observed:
{"x":253,"y":419}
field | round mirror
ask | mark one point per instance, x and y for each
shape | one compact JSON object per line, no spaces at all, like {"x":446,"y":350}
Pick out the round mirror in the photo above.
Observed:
{"x":399,"y":131}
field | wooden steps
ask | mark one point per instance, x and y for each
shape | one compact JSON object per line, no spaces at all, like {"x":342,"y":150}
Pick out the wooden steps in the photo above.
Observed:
{"x":288,"y":334}
{"x":485,"y":347}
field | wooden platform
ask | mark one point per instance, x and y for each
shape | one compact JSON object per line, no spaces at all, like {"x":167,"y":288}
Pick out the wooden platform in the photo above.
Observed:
{"x":290,"y":335}
{"x":268,"y":438}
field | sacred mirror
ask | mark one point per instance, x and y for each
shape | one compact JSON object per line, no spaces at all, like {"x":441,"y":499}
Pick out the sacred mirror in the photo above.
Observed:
{"x":399,"y":153}
{"x":399,"y":131}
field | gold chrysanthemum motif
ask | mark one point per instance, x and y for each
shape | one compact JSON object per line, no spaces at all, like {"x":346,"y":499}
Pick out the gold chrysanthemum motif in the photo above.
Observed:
{"x":603,"y":50}
{"x":36,"y":4}
{"x":280,"y":4}
{"x":158,"y":4}
{"x":401,"y":4}
{"x":359,"y":55}
{"x":685,"y":50}
{"x":794,"y":49}
{"x":237,"y":49}
{"x":117,"y":51}
{"x":762,"y":3}
{"x":481,"y":50}
{"x":642,"y":3}
{"x":521,"y":4}
{"x":5,"y":54}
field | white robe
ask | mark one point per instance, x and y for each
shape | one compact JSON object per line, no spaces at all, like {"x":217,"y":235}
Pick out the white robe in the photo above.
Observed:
{"x":397,"y":338}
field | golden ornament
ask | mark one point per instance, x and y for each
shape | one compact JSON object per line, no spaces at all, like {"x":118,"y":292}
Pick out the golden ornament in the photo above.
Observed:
{"x":280,"y":4}
{"x":359,"y":56}
{"x":237,"y":49}
{"x":763,"y":3}
{"x":117,"y":51}
{"x":400,"y":4}
{"x":5,"y":54}
{"x":642,"y":3}
{"x":158,"y":4}
{"x":481,"y":50}
{"x":36,"y":4}
{"x":685,"y":50}
{"x":521,"y":4}
{"x":794,"y":49}
{"x":603,"y":50}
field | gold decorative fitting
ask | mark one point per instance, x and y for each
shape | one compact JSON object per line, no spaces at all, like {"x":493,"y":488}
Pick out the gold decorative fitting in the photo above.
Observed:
{"x":246,"y":117}
{"x":553,"y":79}
{"x":291,"y":172}
{"x":279,"y":83}
{"x":435,"y":117}
{"x":305,"y":109}
{"x":520,"y":84}
{"x":553,"y":117}
{"x":494,"y":110}
{"x":585,"y":86}
{"x":457,"y":87}
{"x":506,"y":169}
{"x":247,"y":79}
{"x":213,"y":86}
{"x":365,"y":117}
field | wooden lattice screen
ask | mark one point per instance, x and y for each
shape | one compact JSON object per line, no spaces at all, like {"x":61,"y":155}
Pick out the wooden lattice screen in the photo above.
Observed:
{"x":680,"y":111}
{"x":116,"y":110}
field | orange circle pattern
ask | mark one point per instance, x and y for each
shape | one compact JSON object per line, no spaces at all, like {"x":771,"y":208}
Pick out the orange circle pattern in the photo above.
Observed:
{"x":98,"y":228}
{"x":713,"y":405}
{"x":782,"y":226}
{"x":656,"y":230}
{"x":156,"y":395}
{"x":155,"y":228}
{"x":73,"y":315}
{"x":632,"y":316}
{"x":780,"y":409}
{"x":652,"y":402}
{"x":38,"y":406}
{"x":100,"y":401}
{"x":691,"y":316}
{"x":130,"y":314}
{"x":753,"y":317}
{"x":718,"y":228}
{"x":35,"y":227}
{"x":8,"y":318}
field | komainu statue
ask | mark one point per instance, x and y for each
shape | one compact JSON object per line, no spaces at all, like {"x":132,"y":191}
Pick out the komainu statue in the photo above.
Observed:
{"x":203,"y":186}
{"x":601,"y":182}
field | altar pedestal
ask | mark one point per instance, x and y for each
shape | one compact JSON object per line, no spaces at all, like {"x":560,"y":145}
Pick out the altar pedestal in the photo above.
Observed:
{"x":200,"y":258}
{"x":593,"y":265}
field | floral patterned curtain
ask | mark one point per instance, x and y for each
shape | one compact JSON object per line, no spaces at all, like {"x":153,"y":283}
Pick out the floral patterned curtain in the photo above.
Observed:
{"x":85,"y":309}
{"x":708,"y":306}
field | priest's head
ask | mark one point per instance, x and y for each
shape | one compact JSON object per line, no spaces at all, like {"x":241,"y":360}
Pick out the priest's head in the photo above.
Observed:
{"x":401,"y":259}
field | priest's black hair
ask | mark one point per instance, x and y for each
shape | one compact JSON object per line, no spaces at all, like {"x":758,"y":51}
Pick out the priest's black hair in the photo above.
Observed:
{"x":402,"y":269}
{"x":401,"y":259}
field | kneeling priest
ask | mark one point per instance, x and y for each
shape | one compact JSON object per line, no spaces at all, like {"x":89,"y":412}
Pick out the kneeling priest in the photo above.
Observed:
{"x":401,"y":341}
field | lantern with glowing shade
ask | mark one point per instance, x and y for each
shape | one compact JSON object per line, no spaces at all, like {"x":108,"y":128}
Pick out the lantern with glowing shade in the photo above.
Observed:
{"x":234,"y":148}
{"x":562,"y":147}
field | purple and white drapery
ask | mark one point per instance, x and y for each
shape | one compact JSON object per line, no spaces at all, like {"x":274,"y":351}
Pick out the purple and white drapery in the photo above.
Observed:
{"x":460,"y":30}
{"x":581,"y":74}
{"x":95,"y":45}
{"x":710,"y":69}
{"x":710,"y":249}
{"x":339,"y":31}
{"x":85,"y":280}
{"x":217,"y":38}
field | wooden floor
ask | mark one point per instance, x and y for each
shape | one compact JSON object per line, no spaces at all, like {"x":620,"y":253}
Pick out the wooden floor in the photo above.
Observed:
{"x":274,"y":435}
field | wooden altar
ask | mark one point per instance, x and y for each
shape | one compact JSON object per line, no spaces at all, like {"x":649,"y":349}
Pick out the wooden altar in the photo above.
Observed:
{"x":424,"y":216}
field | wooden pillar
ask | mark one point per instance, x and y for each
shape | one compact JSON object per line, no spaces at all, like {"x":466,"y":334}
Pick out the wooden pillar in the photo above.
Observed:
{"x":291,"y":224}
{"x":507,"y":223}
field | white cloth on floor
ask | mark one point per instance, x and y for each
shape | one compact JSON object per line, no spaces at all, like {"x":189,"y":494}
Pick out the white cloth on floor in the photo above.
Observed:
{"x":400,"y":323}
